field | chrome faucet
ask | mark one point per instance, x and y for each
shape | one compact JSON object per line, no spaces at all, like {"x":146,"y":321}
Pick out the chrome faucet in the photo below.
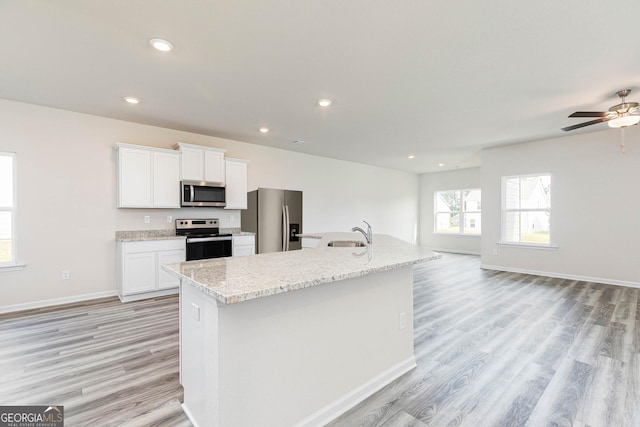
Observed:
{"x":367,"y":234}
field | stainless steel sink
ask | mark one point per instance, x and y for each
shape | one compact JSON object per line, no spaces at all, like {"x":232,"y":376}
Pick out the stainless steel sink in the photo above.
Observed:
{"x":347,"y":244}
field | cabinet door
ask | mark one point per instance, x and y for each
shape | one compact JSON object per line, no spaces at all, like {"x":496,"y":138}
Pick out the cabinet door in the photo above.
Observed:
{"x":166,"y":180}
{"x":214,"y":166}
{"x":165,"y":280}
{"x":192,"y":164}
{"x":134,"y":178}
{"x":236,"y":187}
{"x":244,"y":245}
{"x":310,"y":242}
{"x":139,"y":272}
{"x":243,"y":250}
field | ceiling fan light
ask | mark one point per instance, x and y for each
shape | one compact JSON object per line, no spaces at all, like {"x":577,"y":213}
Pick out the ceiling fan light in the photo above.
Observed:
{"x":624,"y":121}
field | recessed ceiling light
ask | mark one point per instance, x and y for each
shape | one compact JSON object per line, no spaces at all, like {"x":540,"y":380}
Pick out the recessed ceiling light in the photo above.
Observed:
{"x":411,"y":156}
{"x":131,"y":100}
{"x":161,"y":45}
{"x":440,"y":164}
{"x":264,"y":129}
{"x":324,"y":102}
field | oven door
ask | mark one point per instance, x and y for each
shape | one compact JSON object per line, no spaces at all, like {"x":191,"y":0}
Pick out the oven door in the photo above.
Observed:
{"x":208,"y":247}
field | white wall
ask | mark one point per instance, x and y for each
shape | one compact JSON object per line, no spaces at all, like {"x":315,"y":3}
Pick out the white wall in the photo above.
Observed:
{"x":67,"y":197}
{"x":442,"y":181}
{"x":595,"y":208}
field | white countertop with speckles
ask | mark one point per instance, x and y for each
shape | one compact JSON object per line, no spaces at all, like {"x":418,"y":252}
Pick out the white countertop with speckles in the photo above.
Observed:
{"x":236,"y":279}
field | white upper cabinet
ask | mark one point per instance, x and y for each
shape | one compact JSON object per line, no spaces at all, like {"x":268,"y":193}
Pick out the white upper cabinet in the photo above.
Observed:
{"x":214,"y":167}
{"x":202,"y":163}
{"x":134,"y":177}
{"x":148,"y":177}
{"x":192,"y":164}
{"x":166,"y":180}
{"x":236,"y":189}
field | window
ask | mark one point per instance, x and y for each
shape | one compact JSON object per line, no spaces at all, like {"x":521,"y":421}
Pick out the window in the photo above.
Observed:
{"x":526,"y":209}
{"x":458,"y":211}
{"x":7,"y":209}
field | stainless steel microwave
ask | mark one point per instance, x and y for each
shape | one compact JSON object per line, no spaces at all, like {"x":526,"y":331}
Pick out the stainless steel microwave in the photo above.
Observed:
{"x":196,"y":193}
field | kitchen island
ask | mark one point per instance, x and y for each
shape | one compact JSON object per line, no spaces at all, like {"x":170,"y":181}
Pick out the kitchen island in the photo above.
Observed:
{"x":295,"y":338}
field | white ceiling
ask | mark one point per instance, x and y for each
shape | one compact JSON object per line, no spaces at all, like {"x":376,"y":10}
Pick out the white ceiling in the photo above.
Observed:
{"x":436,"y":79}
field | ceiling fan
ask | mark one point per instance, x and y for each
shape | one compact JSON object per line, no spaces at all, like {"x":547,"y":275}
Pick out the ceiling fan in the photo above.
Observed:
{"x":619,"y":116}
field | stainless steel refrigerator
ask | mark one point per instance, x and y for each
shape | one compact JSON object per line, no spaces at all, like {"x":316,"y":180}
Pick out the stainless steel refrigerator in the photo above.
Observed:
{"x":276,"y":218}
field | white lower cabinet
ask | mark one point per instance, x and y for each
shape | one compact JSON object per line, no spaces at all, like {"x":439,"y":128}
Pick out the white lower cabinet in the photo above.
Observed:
{"x":244,"y":245}
{"x":310,"y":242}
{"x":139,"y":272}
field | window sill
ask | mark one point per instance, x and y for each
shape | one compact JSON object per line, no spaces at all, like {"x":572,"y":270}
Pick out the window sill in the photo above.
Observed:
{"x":12,"y":267}
{"x":528,"y":246}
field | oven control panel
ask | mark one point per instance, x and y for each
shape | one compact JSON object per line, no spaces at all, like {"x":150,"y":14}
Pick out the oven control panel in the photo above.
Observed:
{"x":197,"y":226}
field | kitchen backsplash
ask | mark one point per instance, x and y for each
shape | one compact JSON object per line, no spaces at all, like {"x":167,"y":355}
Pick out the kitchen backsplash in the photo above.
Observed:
{"x":134,"y":219}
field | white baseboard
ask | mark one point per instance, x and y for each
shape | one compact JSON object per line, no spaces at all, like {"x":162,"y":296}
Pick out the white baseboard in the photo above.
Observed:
{"x":351,"y":399}
{"x":188,"y":414}
{"x":455,"y":251}
{"x":563,"y":276}
{"x":147,"y":295}
{"x":56,"y":301}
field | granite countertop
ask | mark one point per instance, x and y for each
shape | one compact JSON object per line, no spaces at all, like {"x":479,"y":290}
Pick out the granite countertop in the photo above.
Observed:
{"x":244,"y":233}
{"x":317,"y":236}
{"x":236,"y":279}
{"x":143,"y":235}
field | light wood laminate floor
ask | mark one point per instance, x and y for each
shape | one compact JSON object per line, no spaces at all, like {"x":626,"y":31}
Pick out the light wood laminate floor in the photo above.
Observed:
{"x":107,"y":363}
{"x":507,"y":349}
{"x":493,"y":349}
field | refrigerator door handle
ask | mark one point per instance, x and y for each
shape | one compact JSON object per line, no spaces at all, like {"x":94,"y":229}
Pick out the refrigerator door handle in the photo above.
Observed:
{"x":284,"y":228}
{"x":288,"y":225}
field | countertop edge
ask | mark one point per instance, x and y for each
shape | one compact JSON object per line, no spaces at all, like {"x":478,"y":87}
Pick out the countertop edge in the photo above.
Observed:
{"x":251,"y":295}
{"x":166,"y":234}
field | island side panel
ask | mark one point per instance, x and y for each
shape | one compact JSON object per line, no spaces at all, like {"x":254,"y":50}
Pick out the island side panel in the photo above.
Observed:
{"x":199,"y":356}
{"x":295,"y":357}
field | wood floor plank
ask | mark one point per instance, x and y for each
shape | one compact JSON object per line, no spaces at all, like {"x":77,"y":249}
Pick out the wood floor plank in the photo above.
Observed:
{"x":605,"y":396}
{"x":564,"y":396}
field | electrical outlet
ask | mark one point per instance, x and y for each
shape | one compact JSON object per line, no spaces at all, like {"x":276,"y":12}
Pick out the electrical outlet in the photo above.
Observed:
{"x":403,"y":320}
{"x":65,"y":275}
{"x":495,"y":252}
{"x":169,"y":218}
{"x":195,"y":311}
{"x":147,"y":219}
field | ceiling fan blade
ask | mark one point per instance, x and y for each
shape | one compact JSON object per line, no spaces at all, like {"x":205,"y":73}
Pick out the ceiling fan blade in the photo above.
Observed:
{"x":592,"y":122}
{"x":590,"y":114}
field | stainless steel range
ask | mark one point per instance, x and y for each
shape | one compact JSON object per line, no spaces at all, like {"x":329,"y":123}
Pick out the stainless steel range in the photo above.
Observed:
{"x":204,"y":239}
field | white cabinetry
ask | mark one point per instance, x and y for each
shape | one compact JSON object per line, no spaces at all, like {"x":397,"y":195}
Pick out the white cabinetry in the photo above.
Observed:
{"x":244,"y":245}
{"x":310,"y":242}
{"x":236,"y":188}
{"x":202,"y":164}
{"x":139,"y":272}
{"x":148,"y":177}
